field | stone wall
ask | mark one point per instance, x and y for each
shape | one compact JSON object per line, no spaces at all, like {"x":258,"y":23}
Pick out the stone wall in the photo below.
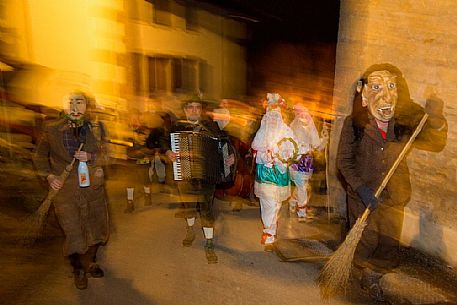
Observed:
{"x":420,"y":38}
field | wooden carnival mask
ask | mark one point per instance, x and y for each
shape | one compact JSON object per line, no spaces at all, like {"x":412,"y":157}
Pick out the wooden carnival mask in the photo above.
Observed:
{"x":380,"y":95}
{"x":75,"y":106}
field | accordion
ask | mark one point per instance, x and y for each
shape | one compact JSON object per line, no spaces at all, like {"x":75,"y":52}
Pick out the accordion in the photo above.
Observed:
{"x":200,"y":156}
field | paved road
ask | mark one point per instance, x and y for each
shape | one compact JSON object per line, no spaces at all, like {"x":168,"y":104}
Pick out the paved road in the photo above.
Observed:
{"x":145,"y":263}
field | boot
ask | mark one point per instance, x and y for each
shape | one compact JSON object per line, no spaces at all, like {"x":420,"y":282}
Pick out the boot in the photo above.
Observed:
{"x":79,"y":275}
{"x":268,"y":241}
{"x":301,"y":213}
{"x":292,"y":206}
{"x":190,"y":236}
{"x":370,"y":283}
{"x":211,"y":256}
{"x":80,"y":279}
{"x":130,"y":207}
{"x":95,"y":271}
{"x":89,"y":262}
{"x":147,"y":199}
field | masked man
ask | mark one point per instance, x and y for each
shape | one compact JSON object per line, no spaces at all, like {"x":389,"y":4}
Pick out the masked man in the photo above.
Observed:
{"x":197,"y":193}
{"x":306,"y":134}
{"x":82,"y":212}
{"x":273,"y":147}
{"x":383,"y":119}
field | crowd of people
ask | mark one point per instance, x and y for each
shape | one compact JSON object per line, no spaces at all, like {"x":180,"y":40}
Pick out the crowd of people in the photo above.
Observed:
{"x":150,"y":157}
{"x":267,"y":162}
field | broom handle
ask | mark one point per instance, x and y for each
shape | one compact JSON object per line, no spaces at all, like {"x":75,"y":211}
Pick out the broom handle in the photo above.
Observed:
{"x":69,"y":167}
{"x":401,"y":155}
{"x":386,"y":179}
{"x":79,"y":149}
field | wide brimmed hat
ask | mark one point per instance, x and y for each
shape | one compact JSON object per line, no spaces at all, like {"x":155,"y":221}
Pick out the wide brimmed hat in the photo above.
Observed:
{"x":184,"y":103}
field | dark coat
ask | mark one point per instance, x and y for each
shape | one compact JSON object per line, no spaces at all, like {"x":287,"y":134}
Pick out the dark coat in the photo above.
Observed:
{"x":367,"y":158}
{"x":364,"y":158}
{"x":82,"y":212}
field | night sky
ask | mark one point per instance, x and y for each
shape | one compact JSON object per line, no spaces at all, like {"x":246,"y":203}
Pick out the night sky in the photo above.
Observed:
{"x":284,"y":20}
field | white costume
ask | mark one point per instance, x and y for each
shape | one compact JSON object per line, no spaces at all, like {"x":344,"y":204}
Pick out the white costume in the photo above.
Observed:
{"x":307,"y":136}
{"x":272,"y":184}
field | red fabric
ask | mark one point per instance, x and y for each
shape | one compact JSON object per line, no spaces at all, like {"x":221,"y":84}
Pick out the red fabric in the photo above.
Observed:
{"x":383,"y":134}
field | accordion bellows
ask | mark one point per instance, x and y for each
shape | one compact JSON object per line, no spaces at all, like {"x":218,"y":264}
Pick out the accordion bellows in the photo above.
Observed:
{"x":200,"y":156}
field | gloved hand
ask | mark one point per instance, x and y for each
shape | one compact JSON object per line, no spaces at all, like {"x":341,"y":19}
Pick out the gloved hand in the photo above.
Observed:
{"x":434,"y":108}
{"x":266,"y":157}
{"x":367,"y":196}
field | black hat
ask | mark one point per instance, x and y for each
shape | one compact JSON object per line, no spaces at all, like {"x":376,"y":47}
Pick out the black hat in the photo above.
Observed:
{"x":184,"y":103}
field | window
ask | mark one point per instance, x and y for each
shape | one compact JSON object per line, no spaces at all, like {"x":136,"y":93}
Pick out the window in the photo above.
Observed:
{"x":158,"y":74}
{"x":136,"y":71}
{"x":162,"y":12}
{"x":191,"y":18}
{"x":177,"y":74}
{"x":167,"y":74}
{"x":185,"y":75}
{"x":203,"y":76}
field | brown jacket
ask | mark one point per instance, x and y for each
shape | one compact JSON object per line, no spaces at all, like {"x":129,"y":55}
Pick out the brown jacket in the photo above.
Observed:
{"x":82,"y":212}
{"x":367,"y":160}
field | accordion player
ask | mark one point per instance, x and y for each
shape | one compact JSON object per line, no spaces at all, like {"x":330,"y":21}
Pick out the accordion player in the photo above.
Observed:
{"x":202,"y":154}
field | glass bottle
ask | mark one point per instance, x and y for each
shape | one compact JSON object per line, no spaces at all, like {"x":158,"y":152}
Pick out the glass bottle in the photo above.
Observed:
{"x":83,"y":174}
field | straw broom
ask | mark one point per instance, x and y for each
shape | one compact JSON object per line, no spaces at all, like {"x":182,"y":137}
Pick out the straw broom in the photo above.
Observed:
{"x":334,"y":276}
{"x":35,"y":222}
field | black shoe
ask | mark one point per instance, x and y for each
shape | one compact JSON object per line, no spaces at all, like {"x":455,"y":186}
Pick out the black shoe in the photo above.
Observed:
{"x":376,"y":293}
{"x":147,"y":200}
{"x":130,"y":207}
{"x":370,"y":283}
{"x":190,"y":237}
{"x":95,"y":271}
{"x":80,"y":279}
{"x":211,"y":256}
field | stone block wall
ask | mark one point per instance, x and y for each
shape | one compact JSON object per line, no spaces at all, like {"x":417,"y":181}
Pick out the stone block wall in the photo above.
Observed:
{"x":420,"y":38}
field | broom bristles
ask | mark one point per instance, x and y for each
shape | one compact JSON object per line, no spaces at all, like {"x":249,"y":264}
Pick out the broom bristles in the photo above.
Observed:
{"x":334,"y":276}
{"x":34,"y":224}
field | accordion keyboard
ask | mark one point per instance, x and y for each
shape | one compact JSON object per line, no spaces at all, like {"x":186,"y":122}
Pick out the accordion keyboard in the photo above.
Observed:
{"x":177,"y":172}
{"x":189,"y":159}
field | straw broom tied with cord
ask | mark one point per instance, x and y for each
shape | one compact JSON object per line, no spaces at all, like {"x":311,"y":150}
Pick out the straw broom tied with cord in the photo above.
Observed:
{"x":35,"y":222}
{"x":334,"y":276}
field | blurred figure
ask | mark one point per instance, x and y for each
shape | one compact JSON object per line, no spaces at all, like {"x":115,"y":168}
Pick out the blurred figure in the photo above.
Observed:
{"x":79,"y":209}
{"x":197,"y":193}
{"x":140,"y":156}
{"x":243,"y":184}
{"x":222,"y":114}
{"x":157,"y":170}
{"x":272,"y":178}
{"x":308,"y":140}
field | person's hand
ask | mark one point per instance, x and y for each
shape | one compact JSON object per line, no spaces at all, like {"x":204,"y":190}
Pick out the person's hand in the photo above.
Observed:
{"x":324,"y":134}
{"x":367,"y":196}
{"x":82,"y":156}
{"x":98,"y":179}
{"x":55,"y":182}
{"x":324,"y":138}
{"x":171,"y":155}
{"x":434,"y":108}
{"x":266,"y":157}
